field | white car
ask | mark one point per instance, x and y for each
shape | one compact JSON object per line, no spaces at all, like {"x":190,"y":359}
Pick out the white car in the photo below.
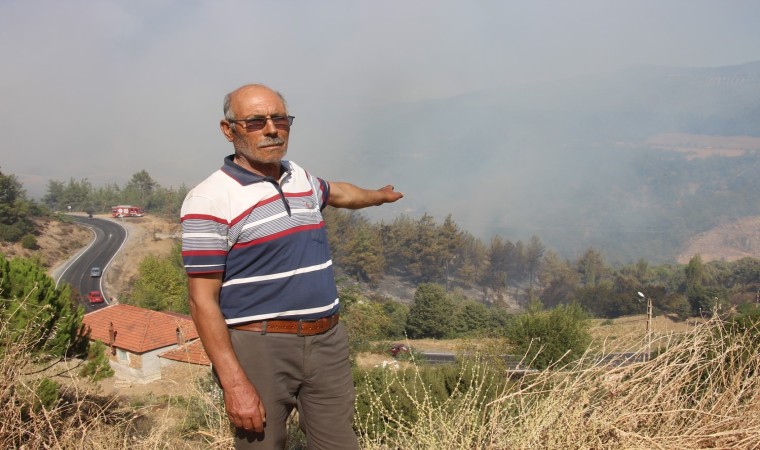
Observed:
{"x":95,"y":272}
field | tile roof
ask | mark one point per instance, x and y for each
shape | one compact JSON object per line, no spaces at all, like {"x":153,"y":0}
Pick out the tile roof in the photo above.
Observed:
{"x":136,"y":329}
{"x":192,"y":352}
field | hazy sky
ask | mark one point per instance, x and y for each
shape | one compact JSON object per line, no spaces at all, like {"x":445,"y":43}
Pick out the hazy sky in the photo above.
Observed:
{"x":102,"y":89}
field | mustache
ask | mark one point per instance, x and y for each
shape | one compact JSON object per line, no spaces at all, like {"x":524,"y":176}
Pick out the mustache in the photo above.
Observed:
{"x":271,"y":141}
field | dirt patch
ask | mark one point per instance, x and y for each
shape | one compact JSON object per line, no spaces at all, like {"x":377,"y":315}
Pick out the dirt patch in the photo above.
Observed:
{"x":148,"y":235}
{"x":730,"y":242}
{"x":182,"y":380}
{"x":628,"y":333}
{"x":703,"y":146}
{"x":57,"y":241}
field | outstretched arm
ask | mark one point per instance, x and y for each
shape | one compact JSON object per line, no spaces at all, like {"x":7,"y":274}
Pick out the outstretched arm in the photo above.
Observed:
{"x":346,"y":195}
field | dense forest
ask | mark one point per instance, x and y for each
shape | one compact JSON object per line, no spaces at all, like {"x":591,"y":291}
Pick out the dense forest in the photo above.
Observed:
{"x":423,"y":251}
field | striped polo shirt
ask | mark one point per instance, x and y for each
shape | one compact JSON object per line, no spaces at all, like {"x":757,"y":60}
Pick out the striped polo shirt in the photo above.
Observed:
{"x":267,"y":238}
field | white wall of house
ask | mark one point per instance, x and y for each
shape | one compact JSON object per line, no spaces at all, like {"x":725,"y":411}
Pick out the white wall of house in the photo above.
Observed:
{"x":141,"y":368}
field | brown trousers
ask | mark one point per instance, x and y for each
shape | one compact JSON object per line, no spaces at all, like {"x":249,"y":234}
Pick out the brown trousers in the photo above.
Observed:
{"x":309,"y":373}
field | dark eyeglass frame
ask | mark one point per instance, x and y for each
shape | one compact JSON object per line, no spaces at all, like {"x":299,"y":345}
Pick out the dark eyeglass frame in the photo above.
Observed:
{"x":258,"y":123}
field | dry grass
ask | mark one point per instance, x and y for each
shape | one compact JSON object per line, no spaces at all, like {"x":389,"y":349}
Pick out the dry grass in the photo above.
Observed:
{"x":627,"y":333}
{"x":702,"y":391}
{"x":29,"y":421}
{"x":73,"y":415}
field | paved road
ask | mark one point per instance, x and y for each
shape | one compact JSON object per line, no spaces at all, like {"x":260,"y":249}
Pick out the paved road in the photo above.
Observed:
{"x":109,"y":236}
{"x":513,"y":363}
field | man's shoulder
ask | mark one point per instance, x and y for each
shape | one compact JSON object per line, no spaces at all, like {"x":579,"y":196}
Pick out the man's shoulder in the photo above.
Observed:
{"x":216,"y":183}
{"x":215,"y":179}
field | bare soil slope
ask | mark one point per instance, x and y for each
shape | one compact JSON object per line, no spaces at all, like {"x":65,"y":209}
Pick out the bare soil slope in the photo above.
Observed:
{"x":148,"y":235}
{"x":731,"y":241}
{"x":57,"y":241}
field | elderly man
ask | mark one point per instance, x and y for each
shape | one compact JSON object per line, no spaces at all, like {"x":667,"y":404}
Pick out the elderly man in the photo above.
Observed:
{"x":261,"y":285}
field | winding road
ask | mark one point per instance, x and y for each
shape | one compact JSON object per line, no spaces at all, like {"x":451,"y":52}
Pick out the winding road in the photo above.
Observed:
{"x":109,"y":237}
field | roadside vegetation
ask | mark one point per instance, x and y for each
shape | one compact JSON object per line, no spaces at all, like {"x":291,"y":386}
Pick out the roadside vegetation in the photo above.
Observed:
{"x":700,"y":389}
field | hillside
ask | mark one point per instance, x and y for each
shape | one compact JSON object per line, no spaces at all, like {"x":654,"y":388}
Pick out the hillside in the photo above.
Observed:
{"x":152,"y":235}
{"x":730,"y":242}
{"x":632,"y":163}
{"x":58,"y":241}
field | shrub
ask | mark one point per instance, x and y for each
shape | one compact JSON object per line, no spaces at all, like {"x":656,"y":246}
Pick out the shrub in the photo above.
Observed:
{"x":431,"y":314}
{"x":392,"y":401}
{"x":14,"y":232}
{"x":97,"y":366}
{"x":29,"y":242}
{"x":546,"y":337}
{"x":34,"y":307}
{"x":47,"y":394}
{"x":37,"y":412}
{"x":591,"y":404}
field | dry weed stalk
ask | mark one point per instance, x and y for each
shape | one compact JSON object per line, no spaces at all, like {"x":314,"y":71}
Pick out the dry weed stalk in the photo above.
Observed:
{"x":69,"y":418}
{"x":702,"y":391}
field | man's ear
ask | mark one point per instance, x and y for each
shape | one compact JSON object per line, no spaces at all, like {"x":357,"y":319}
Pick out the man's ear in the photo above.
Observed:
{"x":226,"y":129}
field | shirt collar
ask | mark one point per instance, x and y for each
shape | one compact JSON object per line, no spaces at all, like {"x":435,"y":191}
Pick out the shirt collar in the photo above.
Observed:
{"x":245,"y":176}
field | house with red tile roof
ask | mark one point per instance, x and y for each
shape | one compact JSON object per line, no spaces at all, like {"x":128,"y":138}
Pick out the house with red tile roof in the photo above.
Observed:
{"x":138,"y":338}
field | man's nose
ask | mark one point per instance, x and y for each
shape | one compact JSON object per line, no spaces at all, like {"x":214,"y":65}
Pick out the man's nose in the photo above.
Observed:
{"x":269,"y":128}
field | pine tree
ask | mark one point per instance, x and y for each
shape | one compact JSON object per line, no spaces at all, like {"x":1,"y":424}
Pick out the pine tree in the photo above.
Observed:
{"x":32,"y":307}
{"x":431,"y":313}
{"x":161,"y":284}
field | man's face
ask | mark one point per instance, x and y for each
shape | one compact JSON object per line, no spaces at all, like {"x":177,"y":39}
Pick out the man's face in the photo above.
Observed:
{"x":266,"y":146}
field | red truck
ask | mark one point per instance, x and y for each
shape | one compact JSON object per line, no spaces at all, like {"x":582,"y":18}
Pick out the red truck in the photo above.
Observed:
{"x":127,"y":211}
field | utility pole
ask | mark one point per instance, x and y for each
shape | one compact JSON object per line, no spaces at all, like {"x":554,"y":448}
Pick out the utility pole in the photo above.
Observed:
{"x":649,"y":326}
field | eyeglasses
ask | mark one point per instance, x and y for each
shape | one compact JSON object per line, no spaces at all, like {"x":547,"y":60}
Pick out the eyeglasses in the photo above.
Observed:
{"x":258,"y":123}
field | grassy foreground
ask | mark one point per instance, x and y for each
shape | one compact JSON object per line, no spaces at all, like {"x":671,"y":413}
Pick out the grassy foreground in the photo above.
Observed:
{"x":701,"y":391}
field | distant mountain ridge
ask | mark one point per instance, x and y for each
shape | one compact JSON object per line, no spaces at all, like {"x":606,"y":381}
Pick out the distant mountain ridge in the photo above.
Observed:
{"x":568,"y":160}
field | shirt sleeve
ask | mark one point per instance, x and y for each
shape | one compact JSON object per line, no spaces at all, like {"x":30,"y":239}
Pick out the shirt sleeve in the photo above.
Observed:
{"x":204,"y":236}
{"x":323,"y":194}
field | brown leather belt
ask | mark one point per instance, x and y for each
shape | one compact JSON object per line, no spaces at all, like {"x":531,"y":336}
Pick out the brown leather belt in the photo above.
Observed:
{"x":299,"y":327}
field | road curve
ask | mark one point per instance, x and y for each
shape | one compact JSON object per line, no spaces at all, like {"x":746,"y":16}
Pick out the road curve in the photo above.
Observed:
{"x":108,"y":238}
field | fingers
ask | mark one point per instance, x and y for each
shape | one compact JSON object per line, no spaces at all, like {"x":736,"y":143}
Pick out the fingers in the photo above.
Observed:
{"x":262,"y":413}
{"x":254,"y":422}
{"x":249,"y":417}
{"x":244,"y":407}
{"x":391,"y":195}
